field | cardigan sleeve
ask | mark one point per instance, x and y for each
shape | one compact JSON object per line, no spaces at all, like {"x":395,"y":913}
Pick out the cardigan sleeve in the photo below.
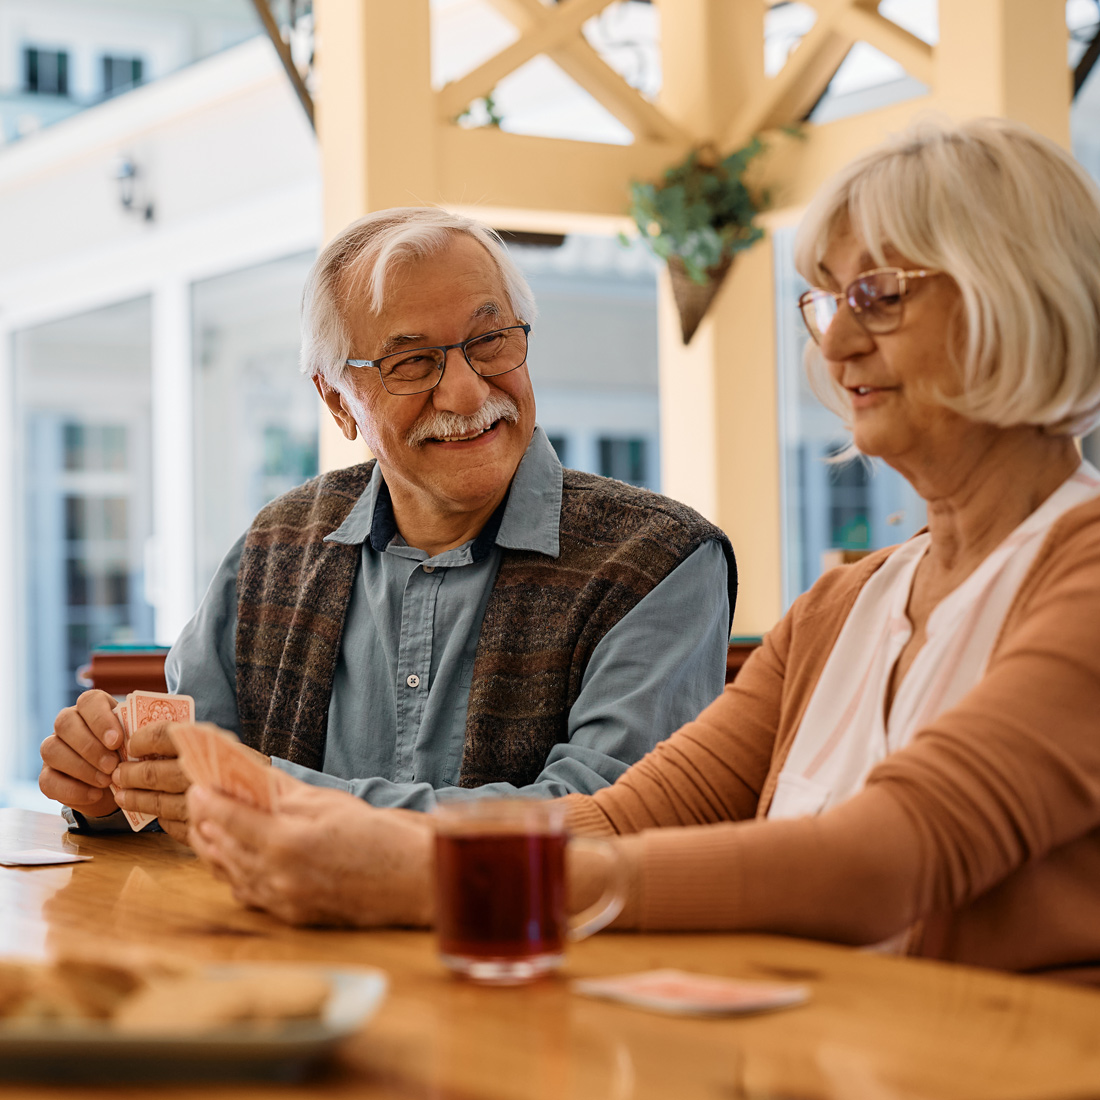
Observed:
{"x":1003,"y":778}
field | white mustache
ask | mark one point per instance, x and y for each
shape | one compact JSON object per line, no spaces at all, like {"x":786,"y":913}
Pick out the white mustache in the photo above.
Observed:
{"x":436,"y":425}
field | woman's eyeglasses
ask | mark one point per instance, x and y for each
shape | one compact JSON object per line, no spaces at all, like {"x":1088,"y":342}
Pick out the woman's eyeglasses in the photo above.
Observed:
{"x":875,"y":298}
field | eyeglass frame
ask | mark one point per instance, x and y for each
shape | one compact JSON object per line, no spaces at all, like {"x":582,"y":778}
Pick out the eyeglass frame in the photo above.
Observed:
{"x":376,"y":364}
{"x":804,"y":298}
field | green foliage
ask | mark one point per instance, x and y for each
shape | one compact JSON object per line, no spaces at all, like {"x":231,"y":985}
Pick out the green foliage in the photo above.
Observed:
{"x":701,"y":211}
{"x":481,"y":112}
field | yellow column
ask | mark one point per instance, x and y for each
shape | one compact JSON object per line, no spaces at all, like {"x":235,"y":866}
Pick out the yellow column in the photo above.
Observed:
{"x":376,"y":127}
{"x":719,"y":424}
{"x":1006,"y":58}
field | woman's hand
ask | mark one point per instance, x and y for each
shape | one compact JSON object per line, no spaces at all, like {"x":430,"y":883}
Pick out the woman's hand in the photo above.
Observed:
{"x":324,"y":857}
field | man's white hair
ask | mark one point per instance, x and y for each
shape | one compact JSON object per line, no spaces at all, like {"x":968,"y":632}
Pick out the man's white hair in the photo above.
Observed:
{"x":1015,"y":222}
{"x":358,"y":262}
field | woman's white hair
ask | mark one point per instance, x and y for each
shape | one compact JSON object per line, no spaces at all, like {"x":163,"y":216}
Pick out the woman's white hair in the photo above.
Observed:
{"x":1015,"y":222}
{"x":359,"y":261}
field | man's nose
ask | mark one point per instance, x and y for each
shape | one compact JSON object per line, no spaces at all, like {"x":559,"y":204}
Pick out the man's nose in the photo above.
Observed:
{"x":461,"y":389}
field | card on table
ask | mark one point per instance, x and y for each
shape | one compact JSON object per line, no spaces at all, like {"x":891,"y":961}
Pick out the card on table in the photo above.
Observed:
{"x":38,"y":857}
{"x":216,"y":759}
{"x":142,"y":708}
{"x":683,"y":993}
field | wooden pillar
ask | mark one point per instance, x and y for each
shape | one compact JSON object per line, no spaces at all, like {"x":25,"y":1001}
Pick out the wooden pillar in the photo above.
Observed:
{"x":719,"y":424}
{"x":1006,"y":58}
{"x":376,"y":127}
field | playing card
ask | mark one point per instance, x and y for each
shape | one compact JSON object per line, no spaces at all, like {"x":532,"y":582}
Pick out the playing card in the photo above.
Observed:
{"x":147,"y":707}
{"x":679,"y":992}
{"x":216,"y":759}
{"x":38,"y":857}
{"x":142,"y":708}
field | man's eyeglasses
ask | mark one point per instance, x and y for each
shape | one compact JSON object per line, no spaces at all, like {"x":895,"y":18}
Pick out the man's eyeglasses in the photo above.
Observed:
{"x":875,"y":298}
{"x":419,"y":369}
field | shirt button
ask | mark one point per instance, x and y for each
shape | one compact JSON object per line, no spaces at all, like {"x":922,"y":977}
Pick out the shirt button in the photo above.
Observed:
{"x":428,"y":568}
{"x":413,"y":680}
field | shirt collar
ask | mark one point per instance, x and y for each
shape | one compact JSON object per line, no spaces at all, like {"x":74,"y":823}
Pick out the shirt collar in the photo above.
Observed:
{"x":527,"y":519}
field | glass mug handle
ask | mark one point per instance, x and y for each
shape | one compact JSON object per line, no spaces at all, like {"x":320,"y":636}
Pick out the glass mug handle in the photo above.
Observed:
{"x":610,"y":903}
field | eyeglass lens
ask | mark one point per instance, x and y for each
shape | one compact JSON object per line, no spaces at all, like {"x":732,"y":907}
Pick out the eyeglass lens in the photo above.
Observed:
{"x":875,"y":299}
{"x":420,"y":368}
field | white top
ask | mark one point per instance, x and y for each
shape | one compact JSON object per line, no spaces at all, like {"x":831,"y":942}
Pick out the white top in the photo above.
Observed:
{"x":843,"y":733}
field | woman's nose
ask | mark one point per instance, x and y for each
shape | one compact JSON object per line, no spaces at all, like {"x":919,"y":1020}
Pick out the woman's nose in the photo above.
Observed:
{"x":845,"y":336}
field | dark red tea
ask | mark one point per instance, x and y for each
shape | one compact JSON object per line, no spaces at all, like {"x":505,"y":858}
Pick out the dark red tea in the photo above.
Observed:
{"x":501,"y":895}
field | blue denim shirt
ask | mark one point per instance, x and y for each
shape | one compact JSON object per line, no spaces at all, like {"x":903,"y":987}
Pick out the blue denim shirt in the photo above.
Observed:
{"x":397,"y":717}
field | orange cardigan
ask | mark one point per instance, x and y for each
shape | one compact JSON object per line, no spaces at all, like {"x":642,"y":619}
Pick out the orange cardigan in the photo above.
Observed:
{"x":981,"y":837}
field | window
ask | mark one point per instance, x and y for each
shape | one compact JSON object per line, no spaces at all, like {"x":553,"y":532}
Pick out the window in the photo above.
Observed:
{"x":560,"y":443}
{"x":120,"y":74}
{"x":255,"y":416}
{"x":82,"y":388}
{"x":45,"y":72}
{"x":624,"y":459}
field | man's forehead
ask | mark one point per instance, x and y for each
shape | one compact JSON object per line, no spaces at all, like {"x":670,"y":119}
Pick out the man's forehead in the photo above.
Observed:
{"x":393,"y":335}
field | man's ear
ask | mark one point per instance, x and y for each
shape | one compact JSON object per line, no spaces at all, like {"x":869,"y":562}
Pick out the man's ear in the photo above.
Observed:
{"x":335,"y":402}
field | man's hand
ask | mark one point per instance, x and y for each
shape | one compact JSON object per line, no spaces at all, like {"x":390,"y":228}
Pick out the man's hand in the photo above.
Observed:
{"x":154,"y":785}
{"x":324,"y":858}
{"x":79,"y":756}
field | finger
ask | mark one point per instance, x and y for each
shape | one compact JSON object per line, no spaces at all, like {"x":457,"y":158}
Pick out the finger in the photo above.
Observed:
{"x":157,"y":803}
{"x":71,"y":728}
{"x":228,"y":861}
{"x":246,"y":827}
{"x":71,"y":792}
{"x":61,"y":758}
{"x":177,"y":830}
{"x":151,"y":775}
{"x":96,"y":710}
{"x":152,"y":740}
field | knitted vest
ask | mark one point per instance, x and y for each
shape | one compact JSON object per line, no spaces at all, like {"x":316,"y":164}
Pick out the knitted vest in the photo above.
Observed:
{"x":543,"y":619}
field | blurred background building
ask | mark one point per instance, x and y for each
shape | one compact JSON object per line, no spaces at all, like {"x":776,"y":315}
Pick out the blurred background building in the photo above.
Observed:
{"x":160,"y":204}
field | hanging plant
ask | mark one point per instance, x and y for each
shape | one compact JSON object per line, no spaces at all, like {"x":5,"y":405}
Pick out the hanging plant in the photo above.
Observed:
{"x":696,"y":219}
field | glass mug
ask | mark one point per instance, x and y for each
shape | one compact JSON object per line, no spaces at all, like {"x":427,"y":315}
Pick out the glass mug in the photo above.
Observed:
{"x":500,"y":889}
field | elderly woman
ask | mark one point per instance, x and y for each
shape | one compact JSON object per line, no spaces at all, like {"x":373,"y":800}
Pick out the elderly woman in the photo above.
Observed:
{"x":912,"y":757}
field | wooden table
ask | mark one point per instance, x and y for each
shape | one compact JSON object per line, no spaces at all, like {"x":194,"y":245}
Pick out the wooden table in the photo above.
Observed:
{"x":876,"y":1029}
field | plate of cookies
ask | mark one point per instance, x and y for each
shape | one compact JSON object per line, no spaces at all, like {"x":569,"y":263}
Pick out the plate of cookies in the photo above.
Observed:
{"x":88,"y":1020}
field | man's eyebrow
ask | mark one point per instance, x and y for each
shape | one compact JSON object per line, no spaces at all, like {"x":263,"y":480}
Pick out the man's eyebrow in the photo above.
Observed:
{"x":418,"y":340}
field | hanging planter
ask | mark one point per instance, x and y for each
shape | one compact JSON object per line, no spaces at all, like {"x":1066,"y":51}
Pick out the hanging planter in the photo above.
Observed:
{"x":696,"y":219}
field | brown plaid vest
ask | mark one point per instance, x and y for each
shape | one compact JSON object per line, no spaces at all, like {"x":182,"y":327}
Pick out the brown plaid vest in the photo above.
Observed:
{"x":543,"y":619}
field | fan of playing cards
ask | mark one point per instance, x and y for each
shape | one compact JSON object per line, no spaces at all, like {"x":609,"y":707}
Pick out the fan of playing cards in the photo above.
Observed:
{"x":209,"y":756}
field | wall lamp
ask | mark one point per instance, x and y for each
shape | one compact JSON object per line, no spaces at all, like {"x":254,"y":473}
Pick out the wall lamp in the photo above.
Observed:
{"x":126,"y":175}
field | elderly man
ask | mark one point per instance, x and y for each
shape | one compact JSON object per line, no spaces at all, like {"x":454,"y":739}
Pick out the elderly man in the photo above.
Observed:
{"x":460,"y":612}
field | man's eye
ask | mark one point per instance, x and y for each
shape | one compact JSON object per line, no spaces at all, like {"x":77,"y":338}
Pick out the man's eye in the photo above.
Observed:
{"x":483,"y":343}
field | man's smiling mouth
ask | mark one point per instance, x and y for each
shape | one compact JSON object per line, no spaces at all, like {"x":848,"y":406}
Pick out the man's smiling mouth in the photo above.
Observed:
{"x":464,"y":438}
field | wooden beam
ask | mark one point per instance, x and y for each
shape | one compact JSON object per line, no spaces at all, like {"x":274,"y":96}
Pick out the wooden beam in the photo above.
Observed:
{"x":492,"y":168}
{"x":791,"y":94}
{"x":579,"y":60}
{"x":913,"y":54}
{"x":551,"y":30}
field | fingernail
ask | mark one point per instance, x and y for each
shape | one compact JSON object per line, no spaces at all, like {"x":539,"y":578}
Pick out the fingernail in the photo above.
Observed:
{"x":121,"y":797}
{"x":116,"y":777}
{"x":108,"y":764}
{"x":112,"y":739}
{"x":207,"y":830}
{"x":102,"y":780}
